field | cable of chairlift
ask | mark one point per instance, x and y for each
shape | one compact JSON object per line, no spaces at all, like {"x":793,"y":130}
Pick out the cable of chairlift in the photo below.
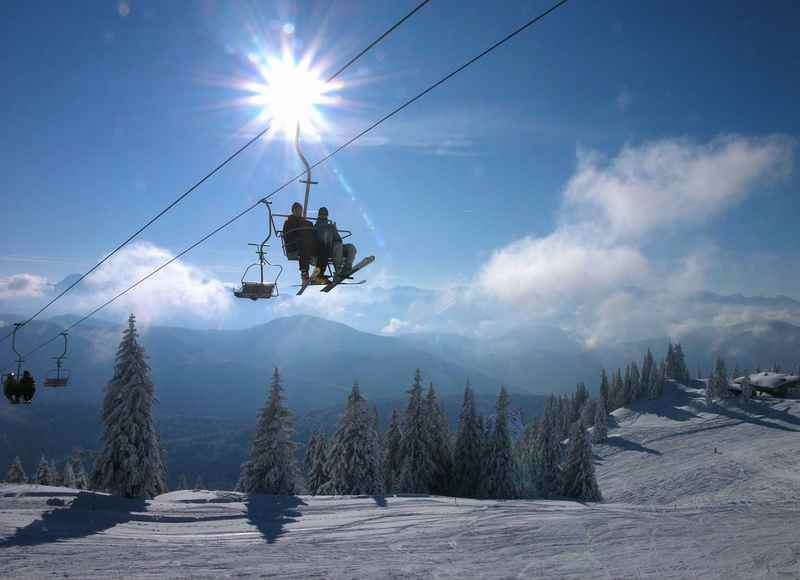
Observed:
{"x":344,"y":145}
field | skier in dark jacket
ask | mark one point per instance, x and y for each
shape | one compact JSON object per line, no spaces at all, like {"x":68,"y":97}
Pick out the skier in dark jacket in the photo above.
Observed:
{"x":330,"y":246}
{"x":27,"y":386}
{"x":10,"y":388}
{"x":298,"y":236}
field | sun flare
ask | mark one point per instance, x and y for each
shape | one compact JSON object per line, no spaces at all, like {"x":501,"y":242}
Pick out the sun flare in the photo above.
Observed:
{"x":290,"y":93}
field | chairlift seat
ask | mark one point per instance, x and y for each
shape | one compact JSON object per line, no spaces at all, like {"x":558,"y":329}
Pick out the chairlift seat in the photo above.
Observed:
{"x":255,"y":290}
{"x":57,"y":379}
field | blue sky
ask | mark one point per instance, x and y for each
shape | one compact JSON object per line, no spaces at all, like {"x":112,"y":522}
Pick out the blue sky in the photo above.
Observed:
{"x":111,"y":109}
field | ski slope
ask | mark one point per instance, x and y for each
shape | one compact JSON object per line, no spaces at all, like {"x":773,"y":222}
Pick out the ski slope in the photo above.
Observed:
{"x":675,"y":510}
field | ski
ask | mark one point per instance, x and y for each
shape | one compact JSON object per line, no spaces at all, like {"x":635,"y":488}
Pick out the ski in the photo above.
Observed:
{"x":336,"y":281}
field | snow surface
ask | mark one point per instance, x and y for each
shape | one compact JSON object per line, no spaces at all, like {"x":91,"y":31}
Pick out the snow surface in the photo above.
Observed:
{"x":674,"y":509}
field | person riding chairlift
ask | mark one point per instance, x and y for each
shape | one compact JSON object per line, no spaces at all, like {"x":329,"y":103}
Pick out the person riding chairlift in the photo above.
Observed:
{"x":10,"y":388}
{"x":330,"y":246}
{"x":298,"y":236}
{"x":27,"y":386}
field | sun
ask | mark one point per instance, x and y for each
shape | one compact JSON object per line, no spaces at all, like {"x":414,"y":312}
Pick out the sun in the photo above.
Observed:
{"x":289,"y":93}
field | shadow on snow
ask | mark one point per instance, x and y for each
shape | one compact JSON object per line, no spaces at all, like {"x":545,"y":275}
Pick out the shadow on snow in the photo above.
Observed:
{"x":270,"y":513}
{"x":88,"y":514}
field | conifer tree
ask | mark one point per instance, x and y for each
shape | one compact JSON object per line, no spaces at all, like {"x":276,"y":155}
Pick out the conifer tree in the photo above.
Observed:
{"x":499,"y":482}
{"x":68,"y":477}
{"x":55,"y":474}
{"x":392,"y":453}
{"x":719,"y":383}
{"x":199,"y":483}
{"x":468,"y":449}
{"x":600,"y":432}
{"x":43,"y":475}
{"x":549,"y":452}
{"x":353,"y":463}
{"x":417,"y":469}
{"x":81,"y":477}
{"x":648,"y":366}
{"x":709,"y":391}
{"x":578,"y":401}
{"x":636,"y":383}
{"x":681,"y":370}
{"x":578,"y":477}
{"x":183,"y":482}
{"x":587,"y":413}
{"x":316,"y":465}
{"x":627,"y":387}
{"x":672,"y":371}
{"x":16,"y":472}
{"x":747,"y":390}
{"x":271,"y":468}
{"x":525,"y":462}
{"x":309,"y":455}
{"x":438,"y":443}
{"x":605,"y":390}
{"x":131,"y":463}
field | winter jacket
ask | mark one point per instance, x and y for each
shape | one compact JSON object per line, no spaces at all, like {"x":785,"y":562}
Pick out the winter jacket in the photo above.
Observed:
{"x":326,"y":233}
{"x":297,"y":231}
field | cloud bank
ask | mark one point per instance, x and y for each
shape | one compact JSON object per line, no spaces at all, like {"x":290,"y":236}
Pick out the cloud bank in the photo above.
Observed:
{"x":612,"y":209}
{"x":181,"y":293}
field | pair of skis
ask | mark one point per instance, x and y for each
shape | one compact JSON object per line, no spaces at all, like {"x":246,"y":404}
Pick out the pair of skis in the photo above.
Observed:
{"x":340,"y":279}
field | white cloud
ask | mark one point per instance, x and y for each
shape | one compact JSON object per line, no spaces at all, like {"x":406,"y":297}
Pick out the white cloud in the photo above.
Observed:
{"x":586,"y":271}
{"x":559,"y":265}
{"x":395,"y":325}
{"x":179,"y":291}
{"x":22,"y":286}
{"x":671,"y":183}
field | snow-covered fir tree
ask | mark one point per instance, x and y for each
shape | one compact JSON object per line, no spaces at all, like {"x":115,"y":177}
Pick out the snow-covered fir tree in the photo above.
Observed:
{"x":587,"y":413}
{"x":316,"y":464}
{"x":353,"y":457}
{"x":81,"y":477}
{"x":43,"y":474}
{"x":672,"y":371}
{"x":183,"y":482}
{"x":579,"y":399}
{"x":499,"y":473}
{"x":747,"y":390}
{"x":600,"y":431}
{"x":271,"y":468}
{"x":131,"y":463}
{"x":55,"y":474}
{"x":579,"y":481}
{"x":68,"y":476}
{"x":636,"y":383}
{"x":719,"y":382}
{"x":605,"y":389}
{"x":524,"y":460}
{"x":549,"y":452}
{"x":199,"y":483}
{"x":392,"y":453}
{"x":681,"y":369}
{"x":16,"y":472}
{"x":438,"y":443}
{"x":309,"y":453}
{"x":648,"y":366}
{"x":709,"y":392}
{"x":468,"y":450}
{"x":416,"y":464}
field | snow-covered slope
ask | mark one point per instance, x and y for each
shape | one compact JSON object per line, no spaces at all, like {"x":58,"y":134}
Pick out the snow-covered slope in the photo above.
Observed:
{"x":662,"y":452}
{"x":674,"y":509}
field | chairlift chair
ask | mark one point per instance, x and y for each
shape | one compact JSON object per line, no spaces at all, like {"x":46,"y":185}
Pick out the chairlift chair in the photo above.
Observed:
{"x":261,"y":289}
{"x":59,"y":376}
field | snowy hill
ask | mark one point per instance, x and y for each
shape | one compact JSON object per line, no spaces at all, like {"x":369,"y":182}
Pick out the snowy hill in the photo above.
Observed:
{"x":662,"y":452}
{"x":674,"y":509}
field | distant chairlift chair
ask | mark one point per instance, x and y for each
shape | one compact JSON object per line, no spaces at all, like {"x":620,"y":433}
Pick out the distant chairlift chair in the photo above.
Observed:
{"x":59,"y":376}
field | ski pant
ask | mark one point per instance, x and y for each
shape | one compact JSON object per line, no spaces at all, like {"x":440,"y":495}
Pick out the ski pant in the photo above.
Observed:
{"x":342,"y":255}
